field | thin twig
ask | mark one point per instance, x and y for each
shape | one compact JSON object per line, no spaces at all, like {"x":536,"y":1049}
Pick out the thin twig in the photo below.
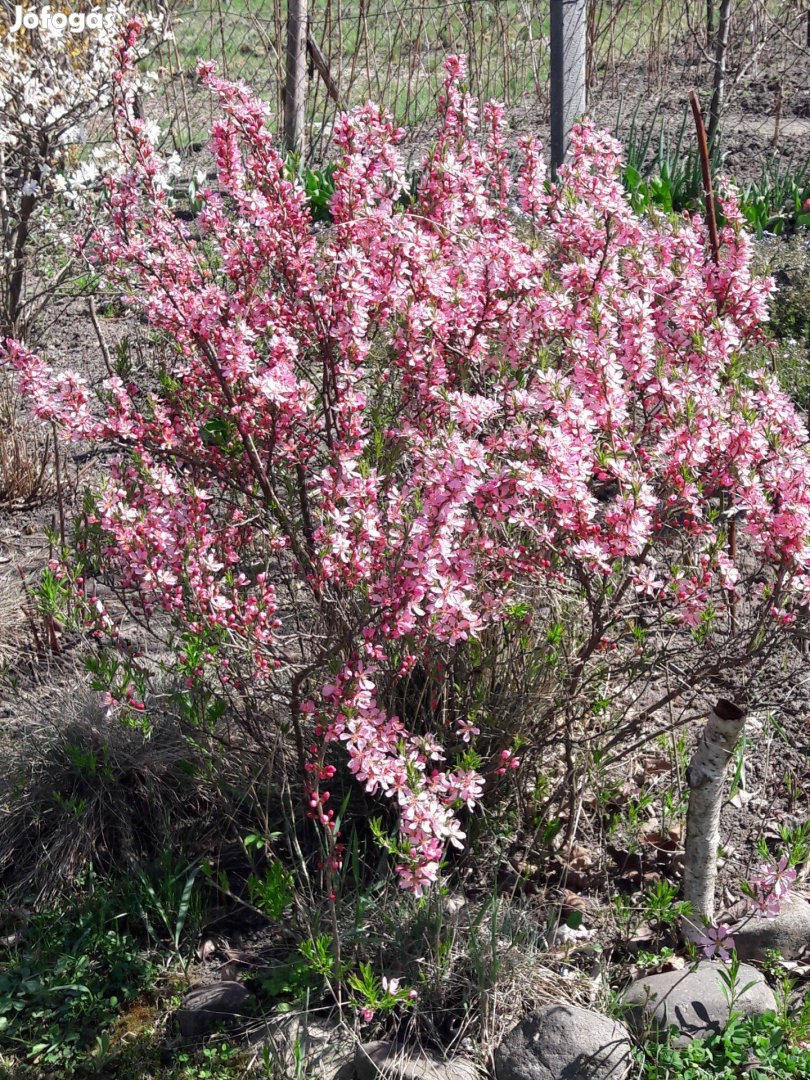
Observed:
{"x":714,"y":242}
{"x":102,"y":344}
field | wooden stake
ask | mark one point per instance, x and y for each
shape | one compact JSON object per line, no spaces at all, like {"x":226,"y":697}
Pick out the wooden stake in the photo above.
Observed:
{"x":719,"y":87}
{"x":295,"y":87}
{"x":777,"y":120}
{"x":322,"y":67}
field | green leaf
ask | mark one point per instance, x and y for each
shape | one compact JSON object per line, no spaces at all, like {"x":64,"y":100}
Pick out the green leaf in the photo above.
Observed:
{"x":632,"y":177}
{"x":185,"y":903}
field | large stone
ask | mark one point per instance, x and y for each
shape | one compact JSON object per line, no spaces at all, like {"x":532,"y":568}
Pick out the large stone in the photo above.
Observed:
{"x":383,"y":1060}
{"x":325,"y":1046}
{"x":328,"y":1051}
{"x":693,"y":1000}
{"x":564,"y":1042}
{"x":788,"y":933}
{"x":205,"y":1009}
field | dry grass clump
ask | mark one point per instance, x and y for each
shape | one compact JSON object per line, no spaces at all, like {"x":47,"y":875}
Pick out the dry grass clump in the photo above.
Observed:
{"x":12,"y":617}
{"x":27,"y":474}
{"x":480,"y":965}
{"x":79,"y":787}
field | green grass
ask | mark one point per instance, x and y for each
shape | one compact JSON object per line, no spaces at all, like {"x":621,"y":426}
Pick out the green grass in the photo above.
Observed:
{"x":74,"y":970}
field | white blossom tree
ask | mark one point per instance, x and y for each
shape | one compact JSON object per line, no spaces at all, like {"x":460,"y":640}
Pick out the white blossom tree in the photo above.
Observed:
{"x":53,"y":85}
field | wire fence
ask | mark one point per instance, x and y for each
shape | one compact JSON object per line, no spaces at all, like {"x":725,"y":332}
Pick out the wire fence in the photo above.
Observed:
{"x":643,"y":56}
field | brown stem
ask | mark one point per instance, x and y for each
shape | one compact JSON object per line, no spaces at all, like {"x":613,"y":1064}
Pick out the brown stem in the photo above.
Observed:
{"x":306,"y":514}
{"x":59,"y":494}
{"x":714,"y":242}
{"x":705,"y":168}
{"x":102,"y":344}
{"x":17,"y":273}
{"x":28,"y":611}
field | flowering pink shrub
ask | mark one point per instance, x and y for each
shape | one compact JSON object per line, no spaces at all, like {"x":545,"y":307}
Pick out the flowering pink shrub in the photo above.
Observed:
{"x":376,"y":445}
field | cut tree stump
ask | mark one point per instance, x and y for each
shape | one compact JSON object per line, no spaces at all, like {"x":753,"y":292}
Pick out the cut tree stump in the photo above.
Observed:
{"x":705,"y":776}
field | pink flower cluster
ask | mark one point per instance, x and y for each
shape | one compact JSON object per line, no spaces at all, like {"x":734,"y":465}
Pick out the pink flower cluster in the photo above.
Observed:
{"x":399,"y":425}
{"x":767,"y":889}
{"x":770,"y":886}
{"x":390,"y":760}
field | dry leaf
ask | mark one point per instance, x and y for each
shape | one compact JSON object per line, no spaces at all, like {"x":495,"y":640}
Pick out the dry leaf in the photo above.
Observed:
{"x":572,"y":901}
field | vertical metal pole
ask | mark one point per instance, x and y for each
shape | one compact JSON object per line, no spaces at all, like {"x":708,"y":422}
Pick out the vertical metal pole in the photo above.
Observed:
{"x":295,"y":87}
{"x":568,"y":57}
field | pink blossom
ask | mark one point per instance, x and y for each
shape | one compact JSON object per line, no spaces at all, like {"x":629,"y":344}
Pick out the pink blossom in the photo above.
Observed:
{"x":716,"y":940}
{"x":770,"y":886}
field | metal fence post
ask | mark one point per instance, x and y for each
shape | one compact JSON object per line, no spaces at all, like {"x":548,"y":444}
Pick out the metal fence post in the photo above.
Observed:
{"x":568,"y":60}
{"x":295,"y":85}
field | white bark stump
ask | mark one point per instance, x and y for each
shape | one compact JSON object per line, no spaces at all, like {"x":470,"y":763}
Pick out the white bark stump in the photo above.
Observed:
{"x":705,"y":777}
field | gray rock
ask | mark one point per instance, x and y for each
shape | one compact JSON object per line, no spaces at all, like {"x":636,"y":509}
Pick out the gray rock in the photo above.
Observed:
{"x":206,"y":1008}
{"x":693,"y":1000}
{"x":383,"y":1060}
{"x":329,"y":1051}
{"x":326,"y":1047}
{"x":788,"y":933}
{"x":564,"y":1042}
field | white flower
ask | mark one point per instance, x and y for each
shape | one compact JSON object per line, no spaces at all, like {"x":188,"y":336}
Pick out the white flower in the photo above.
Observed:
{"x":71,"y":135}
{"x":84,"y":175}
{"x":55,"y":113}
{"x":30,"y":187}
